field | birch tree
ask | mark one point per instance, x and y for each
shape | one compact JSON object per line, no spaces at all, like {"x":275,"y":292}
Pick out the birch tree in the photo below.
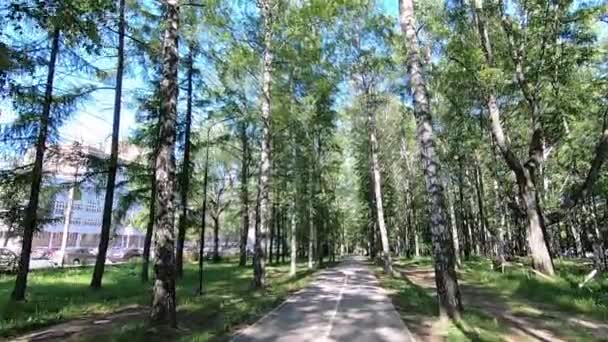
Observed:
{"x":448,"y":291}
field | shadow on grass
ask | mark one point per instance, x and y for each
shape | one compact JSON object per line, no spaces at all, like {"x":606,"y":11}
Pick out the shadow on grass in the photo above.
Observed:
{"x":562,"y":292}
{"x":418,"y":308}
{"x":497,"y":305}
{"x":64,"y":295}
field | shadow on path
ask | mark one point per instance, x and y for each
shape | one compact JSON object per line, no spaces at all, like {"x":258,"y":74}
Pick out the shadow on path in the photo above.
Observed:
{"x":344,"y":303}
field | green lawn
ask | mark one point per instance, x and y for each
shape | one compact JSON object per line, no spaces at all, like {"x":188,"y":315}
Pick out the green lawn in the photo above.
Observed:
{"x":60,"y":295}
{"x":562,"y":293}
{"x":496,"y":298}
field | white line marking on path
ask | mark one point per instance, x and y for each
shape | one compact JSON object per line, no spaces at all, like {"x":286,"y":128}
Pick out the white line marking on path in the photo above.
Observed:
{"x":242,"y":333}
{"x":336,"y":308}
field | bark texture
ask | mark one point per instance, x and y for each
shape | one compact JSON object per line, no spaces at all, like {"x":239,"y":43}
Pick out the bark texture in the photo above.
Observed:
{"x":259,"y":267}
{"x":163,"y":296}
{"x":445,"y":274}
{"x":377,"y":190}
{"x":293,"y":243}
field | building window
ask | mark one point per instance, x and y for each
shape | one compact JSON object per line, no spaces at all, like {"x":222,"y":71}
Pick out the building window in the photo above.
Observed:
{"x":75,"y":220}
{"x":59,"y":207}
{"x":92,"y":207}
{"x":91,"y":222}
{"x":77,"y":206}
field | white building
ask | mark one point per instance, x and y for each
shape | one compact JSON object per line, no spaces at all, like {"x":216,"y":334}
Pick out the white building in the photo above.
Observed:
{"x":87,"y":207}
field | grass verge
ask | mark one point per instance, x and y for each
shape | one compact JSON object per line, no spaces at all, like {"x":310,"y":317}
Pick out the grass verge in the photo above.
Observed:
{"x":513,"y":305}
{"x":63,"y":294}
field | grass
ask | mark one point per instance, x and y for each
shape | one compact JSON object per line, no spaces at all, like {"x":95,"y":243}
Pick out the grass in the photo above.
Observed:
{"x":495,"y":298}
{"x":562,"y":292}
{"x":419,"y":311}
{"x":63,"y":294}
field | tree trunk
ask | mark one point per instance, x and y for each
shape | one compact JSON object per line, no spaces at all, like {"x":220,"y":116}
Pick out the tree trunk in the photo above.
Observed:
{"x":576,"y":237}
{"x":448,"y":291}
{"x":320,"y":229}
{"x":216,"y":238}
{"x":500,"y":236}
{"x":320,"y":239}
{"x":311,"y":225}
{"x":256,"y":224}
{"x":149,"y":230}
{"x":595,"y":238}
{"x":31,"y":211}
{"x":272,"y":226}
{"x":67,"y":220}
{"x":377,"y":188}
{"x":468,"y":239}
{"x":106,"y":221}
{"x":415,"y":231}
{"x":279,"y":234}
{"x":284,"y":218}
{"x":293,"y":244}
{"x":483,"y":227}
{"x":164,"y":302}
{"x":509,"y":235}
{"x":201,"y":252}
{"x":407,"y":191}
{"x":541,"y":258}
{"x":9,"y":234}
{"x":185,"y":176}
{"x":501,"y":216}
{"x":598,"y":248}
{"x":454,"y":227}
{"x":259,"y":268}
{"x":244,"y":193}
{"x":473,"y":217}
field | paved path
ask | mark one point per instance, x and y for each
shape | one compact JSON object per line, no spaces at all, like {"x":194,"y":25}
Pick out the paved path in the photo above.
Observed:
{"x":344,"y":303}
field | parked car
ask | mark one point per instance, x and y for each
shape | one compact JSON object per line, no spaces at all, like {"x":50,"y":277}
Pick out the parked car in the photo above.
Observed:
{"x":9,"y":261}
{"x":124,"y":254}
{"x":42,"y":253}
{"x":74,"y":256}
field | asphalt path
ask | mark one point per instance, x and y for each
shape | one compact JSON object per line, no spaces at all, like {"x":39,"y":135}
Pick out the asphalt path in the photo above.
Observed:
{"x":343,"y":303}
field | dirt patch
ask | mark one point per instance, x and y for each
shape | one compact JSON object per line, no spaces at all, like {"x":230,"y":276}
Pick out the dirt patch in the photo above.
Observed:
{"x":519,"y":320}
{"x":73,"y":330}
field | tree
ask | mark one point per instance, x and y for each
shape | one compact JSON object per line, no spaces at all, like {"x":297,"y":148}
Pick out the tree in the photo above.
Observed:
{"x":219,"y":204}
{"x":74,"y":23}
{"x":164,"y":301}
{"x":113,"y":167}
{"x":448,"y":291}
{"x":259,"y":267}
{"x":524,"y":174}
{"x":185,"y":174}
{"x":245,"y":158}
